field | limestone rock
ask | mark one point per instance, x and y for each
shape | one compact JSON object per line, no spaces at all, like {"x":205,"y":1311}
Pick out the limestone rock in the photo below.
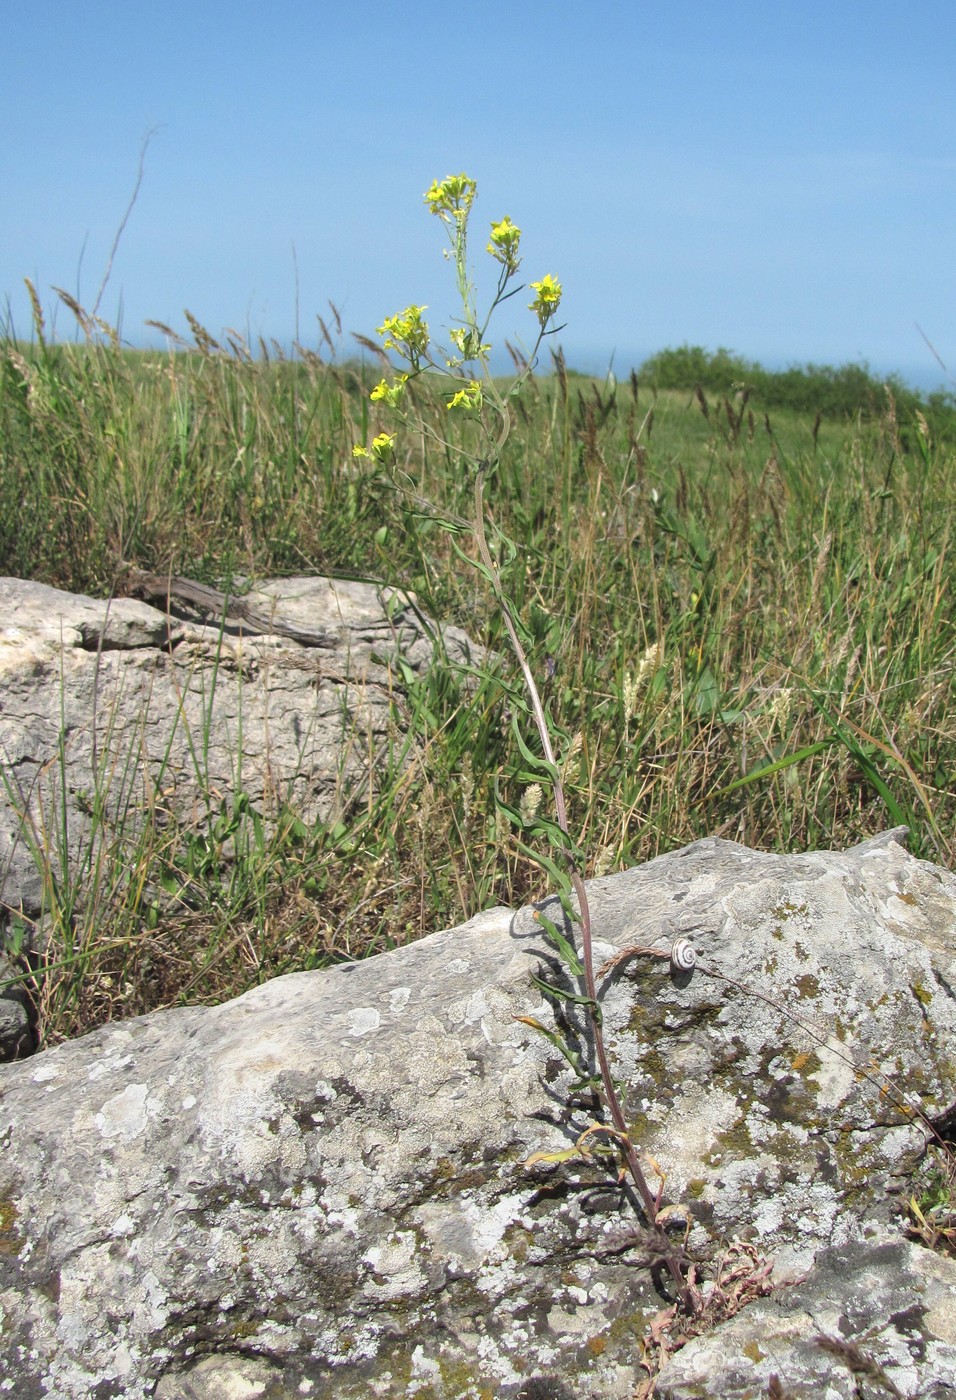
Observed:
{"x":226,"y":1378}
{"x":119,"y":710}
{"x":779,"y":1089}
{"x":863,"y":1310}
{"x":16,"y":1033}
{"x":328,"y":1175}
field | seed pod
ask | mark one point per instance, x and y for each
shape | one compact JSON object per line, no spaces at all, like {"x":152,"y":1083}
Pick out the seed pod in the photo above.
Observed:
{"x":683,"y":955}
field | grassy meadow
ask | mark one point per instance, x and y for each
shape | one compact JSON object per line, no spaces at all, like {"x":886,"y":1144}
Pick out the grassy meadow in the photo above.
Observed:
{"x":739,"y":594}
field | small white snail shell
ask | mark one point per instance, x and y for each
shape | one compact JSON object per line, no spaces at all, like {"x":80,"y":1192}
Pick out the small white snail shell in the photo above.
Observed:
{"x":683,"y":955}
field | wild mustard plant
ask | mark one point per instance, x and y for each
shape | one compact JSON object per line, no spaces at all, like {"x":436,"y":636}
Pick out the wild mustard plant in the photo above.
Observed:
{"x":472,"y":391}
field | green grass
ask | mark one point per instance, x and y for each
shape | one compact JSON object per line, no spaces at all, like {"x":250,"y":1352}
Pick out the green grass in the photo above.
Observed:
{"x":742,"y":611}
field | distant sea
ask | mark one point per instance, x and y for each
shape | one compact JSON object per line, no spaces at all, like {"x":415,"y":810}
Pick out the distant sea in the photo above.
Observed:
{"x":924,"y":375}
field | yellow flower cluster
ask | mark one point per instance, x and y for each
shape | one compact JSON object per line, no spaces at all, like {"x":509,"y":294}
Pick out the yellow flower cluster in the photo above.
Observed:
{"x":468,"y":397}
{"x":391,"y":394}
{"x":505,"y":238}
{"x":407,"y":333}
{"x":382,"y":449}
{"x":452,"y":196}
{"x":548,"y":298}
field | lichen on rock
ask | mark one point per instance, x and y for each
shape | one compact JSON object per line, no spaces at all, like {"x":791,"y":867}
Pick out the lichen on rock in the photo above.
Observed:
{"x":329,"y":1175}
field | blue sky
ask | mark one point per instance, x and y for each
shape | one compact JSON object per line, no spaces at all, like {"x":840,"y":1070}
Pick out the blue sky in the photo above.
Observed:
{"x":776,"y":178}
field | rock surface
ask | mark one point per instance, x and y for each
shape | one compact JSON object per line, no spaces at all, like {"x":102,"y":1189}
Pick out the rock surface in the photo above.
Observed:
{"x":157,"y":711}
{"x":118,"y":708}
{"x":321,"y":1187}
{"x":863,"y":1309}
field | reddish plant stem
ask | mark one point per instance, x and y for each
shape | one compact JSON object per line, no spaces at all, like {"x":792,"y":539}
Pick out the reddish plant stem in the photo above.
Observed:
{"x":609,"y":1092}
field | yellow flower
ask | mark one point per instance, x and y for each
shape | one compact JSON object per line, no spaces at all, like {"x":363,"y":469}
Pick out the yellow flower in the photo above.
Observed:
{"x":407,"y":333}
{"x":383,"y":446}
{"x":548,"y":299}
{"x":504,"y":244}
{"x":453,"y":196}
{"x":389,"y":393}
{"x":469,"y":397}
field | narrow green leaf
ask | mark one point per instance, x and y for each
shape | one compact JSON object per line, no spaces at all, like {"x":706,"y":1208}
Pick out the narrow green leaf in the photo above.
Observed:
{"x":512,"y":813}
{"x":568,"y":952}
{"x":557,"y":838}
{"x":865,"y":764}
{"x":478,"y":564}
{"x":560,"y":877}
{"x":566,"y":996}
{"x":769,"y":769}
{"x":573,"y":1059}
{"x":531,"y":758}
